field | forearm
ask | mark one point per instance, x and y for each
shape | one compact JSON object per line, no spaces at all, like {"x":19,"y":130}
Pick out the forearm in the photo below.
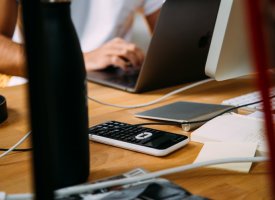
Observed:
{"x":12,"y":59}
{"x":8,"y":16}
{"x":152,"y":20}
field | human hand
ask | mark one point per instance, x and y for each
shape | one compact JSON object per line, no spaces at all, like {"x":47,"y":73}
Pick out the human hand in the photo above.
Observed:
{"x":116,"y":52}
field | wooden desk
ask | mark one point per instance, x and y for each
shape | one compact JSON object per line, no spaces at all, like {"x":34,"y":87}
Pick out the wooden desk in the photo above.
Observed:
{"x":15,"y":169}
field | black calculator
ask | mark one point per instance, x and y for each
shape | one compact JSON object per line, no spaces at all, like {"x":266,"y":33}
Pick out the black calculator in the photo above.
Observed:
{"x":137,"y":138}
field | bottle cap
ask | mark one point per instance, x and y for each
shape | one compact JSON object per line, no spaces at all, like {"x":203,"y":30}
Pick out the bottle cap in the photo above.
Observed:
{"x":3,"y":109}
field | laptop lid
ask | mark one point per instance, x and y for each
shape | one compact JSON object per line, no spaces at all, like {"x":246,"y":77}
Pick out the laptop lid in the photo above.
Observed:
{"x":180,"y":44}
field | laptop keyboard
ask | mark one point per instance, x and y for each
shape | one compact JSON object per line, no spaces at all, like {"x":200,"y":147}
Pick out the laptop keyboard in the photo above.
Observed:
{"x":116,"y":76}
{"x":249,"y":98}
{"x":128,"y":80}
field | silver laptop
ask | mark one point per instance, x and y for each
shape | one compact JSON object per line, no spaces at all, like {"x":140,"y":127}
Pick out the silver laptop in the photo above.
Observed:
{"x":177,"y":52}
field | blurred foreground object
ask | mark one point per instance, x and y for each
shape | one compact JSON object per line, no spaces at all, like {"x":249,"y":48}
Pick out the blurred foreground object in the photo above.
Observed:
{"x":55,"y":69}
{"x":261,"y":30}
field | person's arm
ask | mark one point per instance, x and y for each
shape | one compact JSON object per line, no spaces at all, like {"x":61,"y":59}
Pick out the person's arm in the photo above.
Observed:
{"x":11,"y":57}
{"x":118,"y":52}
{"x":152,"y":20}
{"x":11,"y":53}
{"x":8,"y":16}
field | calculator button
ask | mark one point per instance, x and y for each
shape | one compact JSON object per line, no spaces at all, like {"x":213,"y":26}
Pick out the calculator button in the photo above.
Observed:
{"x":143,"y":135}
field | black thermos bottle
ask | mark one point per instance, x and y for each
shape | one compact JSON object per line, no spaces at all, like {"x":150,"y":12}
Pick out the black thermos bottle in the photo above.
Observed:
{"x":57,"y":93}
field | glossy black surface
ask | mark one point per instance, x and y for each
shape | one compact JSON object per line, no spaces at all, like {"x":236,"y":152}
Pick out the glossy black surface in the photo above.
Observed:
{"x":129,"y":133}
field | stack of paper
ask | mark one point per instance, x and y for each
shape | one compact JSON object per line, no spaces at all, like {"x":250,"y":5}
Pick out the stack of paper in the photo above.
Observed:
{"x":232,"y":128}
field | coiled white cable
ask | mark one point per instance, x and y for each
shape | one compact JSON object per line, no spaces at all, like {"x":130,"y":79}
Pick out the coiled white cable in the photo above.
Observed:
{"x":65,"y":192}
{"x":154,"y":101}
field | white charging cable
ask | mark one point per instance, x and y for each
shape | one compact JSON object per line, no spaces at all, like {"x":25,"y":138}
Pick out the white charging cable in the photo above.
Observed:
{"x":156,"y":100}
{"x":16,"y":145}
{"x":65,"y":192}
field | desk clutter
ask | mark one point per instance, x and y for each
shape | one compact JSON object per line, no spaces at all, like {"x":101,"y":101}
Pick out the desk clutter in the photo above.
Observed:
{"x":231,"y":135}
{"x":110,"y":161}
{"x":157,"y":188}
{"x":232,"y":128}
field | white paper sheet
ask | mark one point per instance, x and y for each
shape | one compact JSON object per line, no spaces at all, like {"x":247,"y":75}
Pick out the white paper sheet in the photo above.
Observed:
{"x":218,"y":150}
{"x":232,"y":128}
